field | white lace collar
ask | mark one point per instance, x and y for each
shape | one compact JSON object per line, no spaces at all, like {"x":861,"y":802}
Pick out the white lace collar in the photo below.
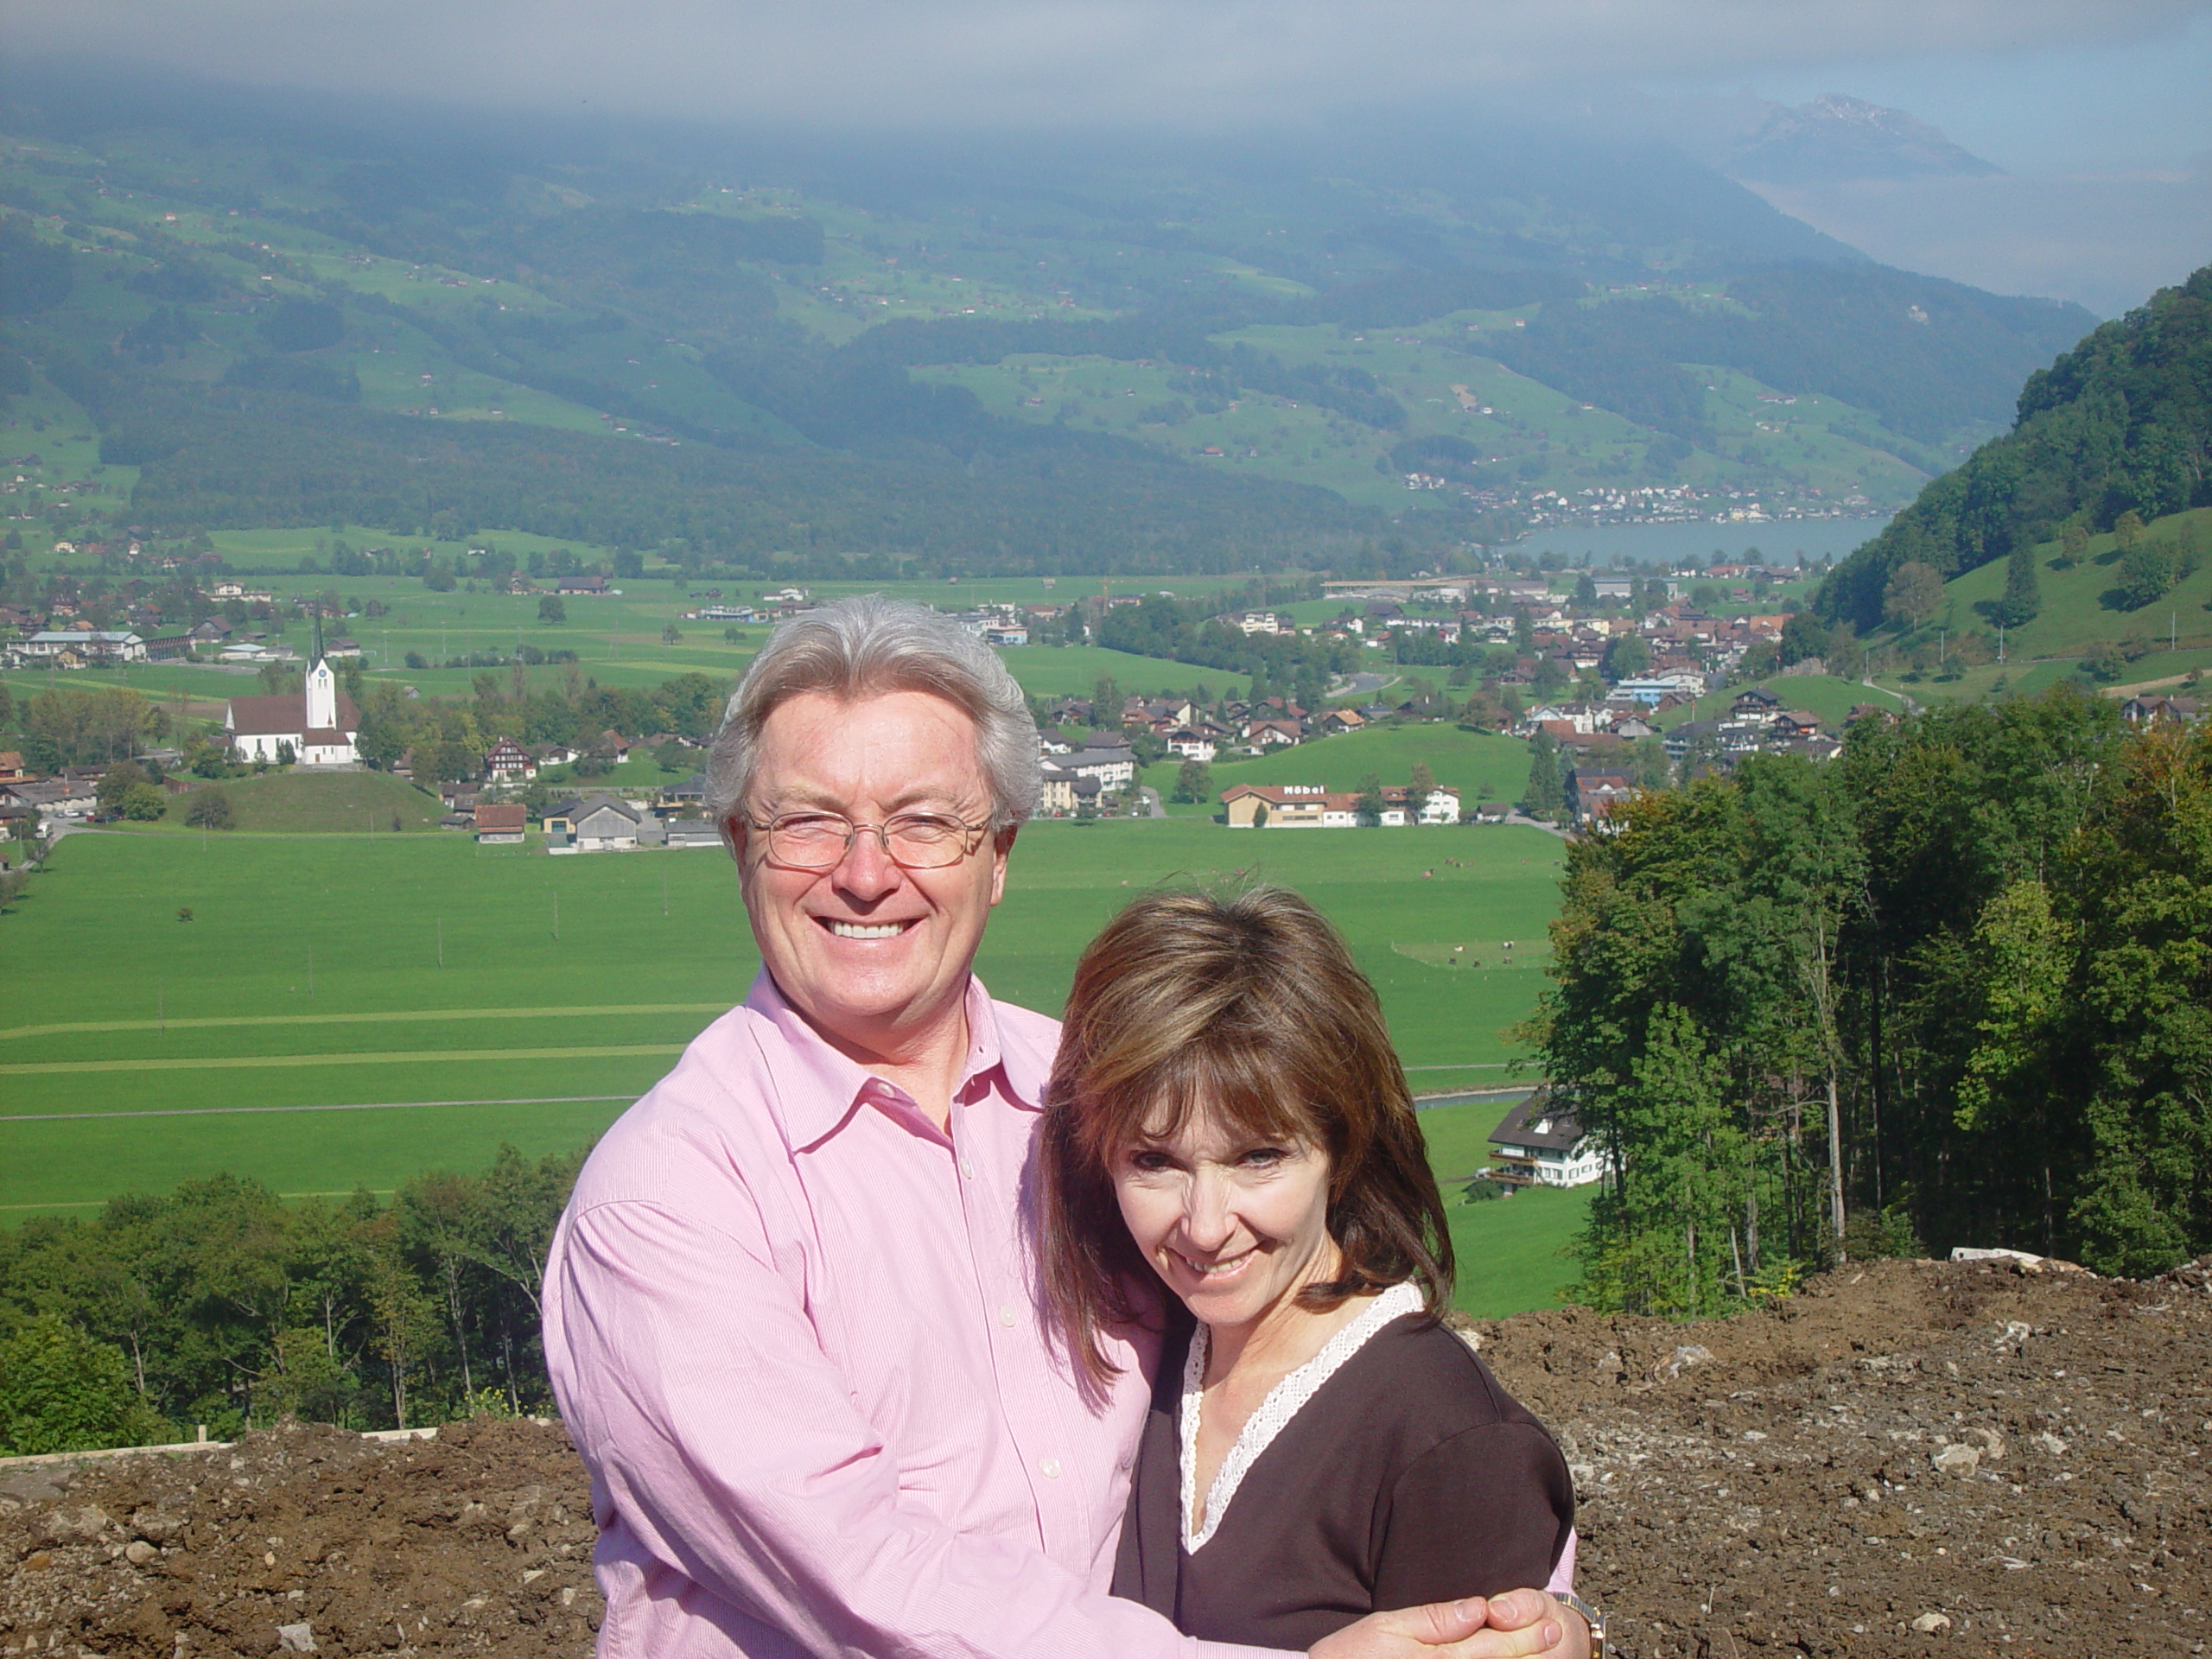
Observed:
{"x":1273,"y":1414}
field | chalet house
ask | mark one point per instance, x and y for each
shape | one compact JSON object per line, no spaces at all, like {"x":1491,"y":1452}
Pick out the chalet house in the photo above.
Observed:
{"x":1729,"y":736}
{"x":506,"y":762}
{"x":12,"y":770}
{"x":1116,"y":769}
{"x":1793,"y":722}
{"x":1190,"y":744}
{"x":1539,"y":1143}
{"x":581,"y":585}
{"x":318,"y":723}
{"x":2161,"y":711}
{"x":1271,"y":734}
{"x":1340,"y":720}
{"x":689,"y":796}
{"x":1634,"y":729}
{"x":1756,"y":704}
{"x":500,"y":821}
{"x":1595,"y":793}
{"x":169,"y":648}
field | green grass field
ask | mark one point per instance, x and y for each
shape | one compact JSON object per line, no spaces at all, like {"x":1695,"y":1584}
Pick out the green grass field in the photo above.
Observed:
{"x":449,"y":996}
{"x":1511,"y":1251}
{"x":1466,"y":761}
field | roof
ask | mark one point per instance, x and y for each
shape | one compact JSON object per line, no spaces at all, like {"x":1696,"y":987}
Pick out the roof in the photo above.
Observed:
{"x":285,"y":715}
{"x":1518,"y":1128}
{"x":502,"y":815}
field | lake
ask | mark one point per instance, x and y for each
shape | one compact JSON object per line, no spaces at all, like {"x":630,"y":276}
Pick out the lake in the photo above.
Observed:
{"x":1776,"y":542}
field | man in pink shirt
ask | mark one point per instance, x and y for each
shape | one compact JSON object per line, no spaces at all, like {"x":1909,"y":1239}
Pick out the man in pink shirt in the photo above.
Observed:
{"x":790,"y":1313}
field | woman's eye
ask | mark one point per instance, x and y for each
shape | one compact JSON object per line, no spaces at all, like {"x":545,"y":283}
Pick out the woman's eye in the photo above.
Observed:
{"x":1267,"y":1157}
{"x":1148,"y":1162}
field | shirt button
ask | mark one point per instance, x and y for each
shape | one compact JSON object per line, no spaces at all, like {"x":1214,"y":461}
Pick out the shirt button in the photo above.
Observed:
{"x":1052,"y":1468}
{"x":967,"y":1169}
{"x":1006,"y":1316}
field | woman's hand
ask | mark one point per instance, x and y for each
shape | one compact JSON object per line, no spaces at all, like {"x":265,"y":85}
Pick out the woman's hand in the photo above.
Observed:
{"x":1520,"y":1625}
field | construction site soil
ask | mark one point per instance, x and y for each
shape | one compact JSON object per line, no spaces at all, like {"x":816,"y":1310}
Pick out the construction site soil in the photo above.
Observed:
{"x":1902,"y":1458}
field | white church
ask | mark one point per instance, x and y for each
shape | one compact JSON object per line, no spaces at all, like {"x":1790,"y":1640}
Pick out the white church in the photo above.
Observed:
{"x":318,"y":723}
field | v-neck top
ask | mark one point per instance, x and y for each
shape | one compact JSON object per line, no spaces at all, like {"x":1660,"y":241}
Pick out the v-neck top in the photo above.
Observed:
{"x":1389,"y":1471}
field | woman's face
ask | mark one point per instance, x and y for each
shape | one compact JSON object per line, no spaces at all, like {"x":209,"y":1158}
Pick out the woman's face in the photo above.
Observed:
{"x":1236,"y":1225}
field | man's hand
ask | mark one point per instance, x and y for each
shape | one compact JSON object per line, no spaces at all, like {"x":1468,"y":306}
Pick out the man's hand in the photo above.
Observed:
{"x":1521,"y":1624}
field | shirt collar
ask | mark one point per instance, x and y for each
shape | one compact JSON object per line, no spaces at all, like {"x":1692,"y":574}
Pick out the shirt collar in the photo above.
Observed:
{"x":818,"y":1088}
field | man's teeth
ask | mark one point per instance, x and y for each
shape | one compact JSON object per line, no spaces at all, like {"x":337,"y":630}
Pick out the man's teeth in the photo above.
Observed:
{"x":867,"y":930}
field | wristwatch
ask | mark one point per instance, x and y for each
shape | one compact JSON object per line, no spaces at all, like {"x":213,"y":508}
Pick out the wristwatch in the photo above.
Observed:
{"x":1596,"y":1620}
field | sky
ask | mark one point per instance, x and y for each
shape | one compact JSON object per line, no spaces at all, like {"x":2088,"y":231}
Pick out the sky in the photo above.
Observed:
{"x":2095,"y":107}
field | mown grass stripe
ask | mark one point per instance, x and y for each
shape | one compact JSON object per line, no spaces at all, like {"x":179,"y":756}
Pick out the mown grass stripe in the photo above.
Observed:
{"x":384,"y":1016}
{"x":326,"y":1106}
{"x":438,"y":1056}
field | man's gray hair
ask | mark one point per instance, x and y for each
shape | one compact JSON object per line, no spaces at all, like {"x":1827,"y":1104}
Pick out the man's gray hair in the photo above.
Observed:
{"x":866,"y":646}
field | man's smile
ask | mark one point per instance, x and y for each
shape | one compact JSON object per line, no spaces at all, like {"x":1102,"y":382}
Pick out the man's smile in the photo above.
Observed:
{"x":844,"y":930}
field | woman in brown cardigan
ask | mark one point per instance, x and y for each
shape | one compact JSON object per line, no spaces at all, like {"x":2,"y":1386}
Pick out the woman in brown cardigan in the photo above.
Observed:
{"x":1227,"y":1117}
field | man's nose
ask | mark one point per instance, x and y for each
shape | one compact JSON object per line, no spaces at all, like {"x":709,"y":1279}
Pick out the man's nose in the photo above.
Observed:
{"x":867,"y":871}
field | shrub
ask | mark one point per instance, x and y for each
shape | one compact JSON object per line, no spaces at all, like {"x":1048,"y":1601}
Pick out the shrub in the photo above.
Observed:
{"x":209,"y":809}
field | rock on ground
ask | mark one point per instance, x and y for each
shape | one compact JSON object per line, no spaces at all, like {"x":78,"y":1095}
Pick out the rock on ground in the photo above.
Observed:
{"x":1904,"y":1457}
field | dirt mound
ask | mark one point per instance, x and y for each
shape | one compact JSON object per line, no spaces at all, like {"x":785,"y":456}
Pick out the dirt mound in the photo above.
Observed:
{"x":477,"y":1542}
{"x":1903,"y":1457}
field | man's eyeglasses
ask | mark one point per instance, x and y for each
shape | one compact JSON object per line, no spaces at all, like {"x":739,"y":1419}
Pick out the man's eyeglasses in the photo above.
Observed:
{"x":913,"y":841}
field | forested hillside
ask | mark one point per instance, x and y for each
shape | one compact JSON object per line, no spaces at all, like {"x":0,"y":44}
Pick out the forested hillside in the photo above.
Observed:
{"x":864,"y":359}
{"x":1950,"y":988}
{"x":2120,"y":424}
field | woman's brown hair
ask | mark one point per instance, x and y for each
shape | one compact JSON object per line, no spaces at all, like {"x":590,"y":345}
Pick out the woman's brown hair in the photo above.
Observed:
{"x":1250,"y":1008}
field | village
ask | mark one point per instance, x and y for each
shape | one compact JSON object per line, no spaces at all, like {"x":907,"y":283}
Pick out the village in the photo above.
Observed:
{"x":1617,"y":680}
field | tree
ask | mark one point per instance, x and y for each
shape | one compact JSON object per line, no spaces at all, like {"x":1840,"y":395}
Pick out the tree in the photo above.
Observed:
{"x":1193,"y":782}
{"x":142,"y":804}
{"x":671,"y":635}
{"x":117,"y":780}
{"x":1422,"y":785}
{"x":62,"y":1391}
{"x":2073,"y":544}
{"x":2023,"y":597}
{"x":2148,"y":571}
{"x":1627,"y":656}
{"x":1914,"y":592}
{"x":1106,"y":704}
{"x":1370,"y":805}
{"x":209,"y":808}
{"x":2127,"y":531}
{"x":550,"y":609}
{"x":1542,"y":798}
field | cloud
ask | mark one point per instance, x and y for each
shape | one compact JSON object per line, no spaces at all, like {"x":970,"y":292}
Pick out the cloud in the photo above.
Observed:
{"x":1034,"y":62}
{"x":2106,"y":242}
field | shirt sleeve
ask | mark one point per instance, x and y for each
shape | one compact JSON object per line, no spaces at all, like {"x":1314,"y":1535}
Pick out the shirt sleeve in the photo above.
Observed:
{"x":1490,"y":1510}
{"x":731,"y":1446}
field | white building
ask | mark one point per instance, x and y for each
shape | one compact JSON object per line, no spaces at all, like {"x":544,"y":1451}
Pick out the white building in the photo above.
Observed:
{"x":91,"y":646}
{"x":1539,"y":1143}
{"x":318,"y":723}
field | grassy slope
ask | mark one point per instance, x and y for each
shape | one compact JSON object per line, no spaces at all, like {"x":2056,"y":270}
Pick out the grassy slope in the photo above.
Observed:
{"x":2081,"y":609}
{"x":1511,"y":1251}
{"x":307,"y":803}
{"x":1464,"y":760}
{"x":649,"y":946}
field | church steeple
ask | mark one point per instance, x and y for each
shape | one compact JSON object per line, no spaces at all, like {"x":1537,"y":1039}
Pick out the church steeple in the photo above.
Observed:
{"x":319,"y":696}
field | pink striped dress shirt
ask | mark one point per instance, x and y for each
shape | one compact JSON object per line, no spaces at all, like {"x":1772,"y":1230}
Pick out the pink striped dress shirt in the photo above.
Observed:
{"x":794,"y":1329}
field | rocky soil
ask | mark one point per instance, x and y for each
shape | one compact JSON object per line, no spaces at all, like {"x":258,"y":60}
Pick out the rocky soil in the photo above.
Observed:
{"x":1905,"y":1458}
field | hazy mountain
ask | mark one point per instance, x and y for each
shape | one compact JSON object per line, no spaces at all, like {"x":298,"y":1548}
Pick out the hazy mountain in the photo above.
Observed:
{"x":1835,"y":139}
